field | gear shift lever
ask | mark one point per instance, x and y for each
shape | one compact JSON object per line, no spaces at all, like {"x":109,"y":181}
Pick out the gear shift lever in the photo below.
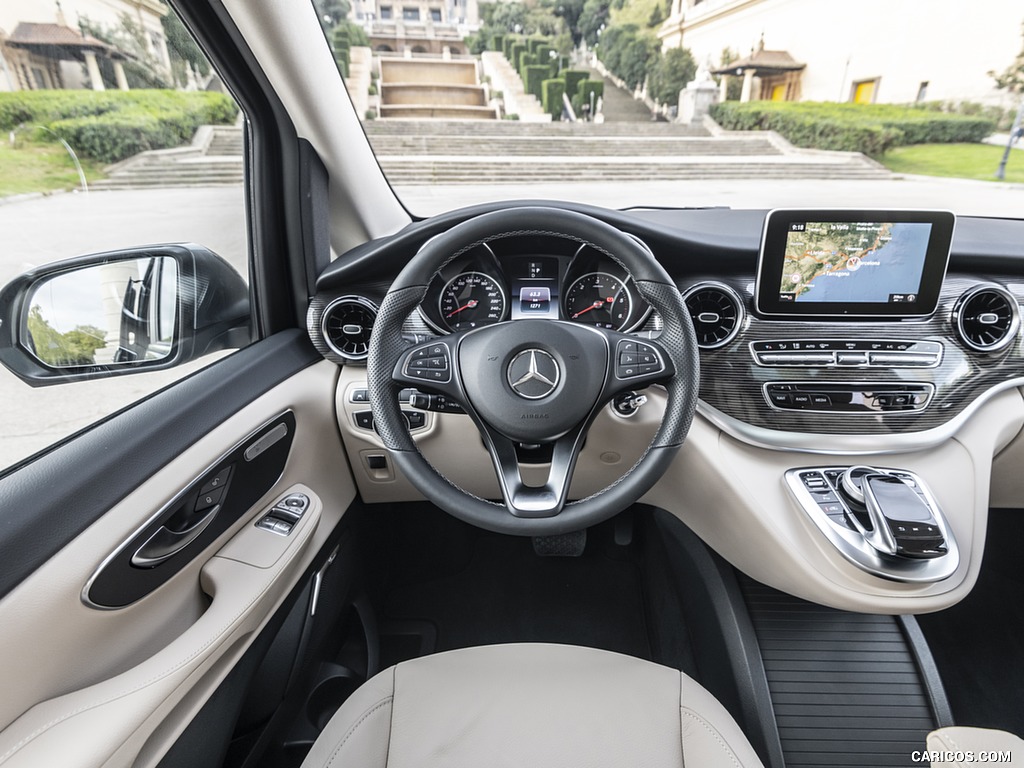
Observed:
{"x":903,"y":522}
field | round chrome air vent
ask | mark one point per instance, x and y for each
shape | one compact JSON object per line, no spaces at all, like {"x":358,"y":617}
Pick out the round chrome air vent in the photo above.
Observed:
{"x":346,"y":325}
{"x":717,"y":313}
{"x":986,"y":318}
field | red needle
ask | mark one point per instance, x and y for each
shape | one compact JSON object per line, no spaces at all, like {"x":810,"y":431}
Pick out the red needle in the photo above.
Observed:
{"x":468,"y":305}
{"x":595,"y":305}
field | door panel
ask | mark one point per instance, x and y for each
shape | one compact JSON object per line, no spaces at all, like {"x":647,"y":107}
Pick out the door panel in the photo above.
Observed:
{"x":48,"y":502}
{"x":96,"y":687}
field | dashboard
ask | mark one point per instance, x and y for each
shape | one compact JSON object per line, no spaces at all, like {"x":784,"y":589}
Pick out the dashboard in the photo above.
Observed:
{"x":931,"y":390}
{"x":777,"y":380}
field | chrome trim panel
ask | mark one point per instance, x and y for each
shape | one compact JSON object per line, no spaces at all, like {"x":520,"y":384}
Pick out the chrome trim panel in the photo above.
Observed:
{"x":856,"y":445}
{"x":853,"y":544}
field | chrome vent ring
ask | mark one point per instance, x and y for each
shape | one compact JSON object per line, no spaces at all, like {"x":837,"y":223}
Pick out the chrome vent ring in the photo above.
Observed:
{"x":346,"y":325}
{"x":986,"y":318}
{"x":716,"y":311}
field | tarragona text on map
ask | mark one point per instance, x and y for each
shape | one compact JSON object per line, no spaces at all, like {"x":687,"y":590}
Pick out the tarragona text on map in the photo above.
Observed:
{"x":830,"y":249}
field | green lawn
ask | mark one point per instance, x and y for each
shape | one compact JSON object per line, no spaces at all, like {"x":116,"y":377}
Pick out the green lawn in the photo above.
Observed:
{"x":37,"y":167}
{"x":964,"y":161}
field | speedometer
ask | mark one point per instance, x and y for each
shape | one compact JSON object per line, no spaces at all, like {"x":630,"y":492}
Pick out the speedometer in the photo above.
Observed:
{"x":471,"y":299}
{"x":599,"y":299}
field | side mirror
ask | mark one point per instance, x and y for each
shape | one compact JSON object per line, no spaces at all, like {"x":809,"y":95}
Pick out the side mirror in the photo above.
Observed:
{"x":109,"y":314}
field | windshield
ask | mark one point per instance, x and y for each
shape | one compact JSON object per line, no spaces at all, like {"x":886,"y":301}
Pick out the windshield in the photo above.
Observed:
{"x":683,"y":103}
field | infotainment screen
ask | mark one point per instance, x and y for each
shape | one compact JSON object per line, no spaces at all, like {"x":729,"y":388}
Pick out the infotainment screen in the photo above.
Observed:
{"x":853,"y":263}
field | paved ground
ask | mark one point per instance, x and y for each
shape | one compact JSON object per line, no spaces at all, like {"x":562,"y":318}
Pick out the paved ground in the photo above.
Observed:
{"x":619,"y":105}
{"x":43,"y":230}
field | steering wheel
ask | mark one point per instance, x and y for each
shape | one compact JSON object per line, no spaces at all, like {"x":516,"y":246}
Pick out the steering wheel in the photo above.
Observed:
{"x":533,"y":381}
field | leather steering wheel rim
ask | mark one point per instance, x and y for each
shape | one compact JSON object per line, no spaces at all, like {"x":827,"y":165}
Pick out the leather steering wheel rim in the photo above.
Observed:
{"x":677,"y":343}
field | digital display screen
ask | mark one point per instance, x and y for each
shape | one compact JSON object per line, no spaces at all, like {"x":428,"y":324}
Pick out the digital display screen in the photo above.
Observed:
{"x":853,"y":263}
{"x":534,"y":283}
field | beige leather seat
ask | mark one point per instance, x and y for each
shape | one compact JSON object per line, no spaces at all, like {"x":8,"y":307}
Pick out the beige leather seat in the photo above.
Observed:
{"x":531,"y":706}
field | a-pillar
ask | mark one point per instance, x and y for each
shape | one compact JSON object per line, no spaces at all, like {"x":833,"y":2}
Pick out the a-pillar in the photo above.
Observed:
{"x":748,"y":85}
{"x":122,"y":81}
{"x":95,"y":79}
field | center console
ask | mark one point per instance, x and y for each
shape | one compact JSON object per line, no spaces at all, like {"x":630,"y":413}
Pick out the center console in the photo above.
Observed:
{"x":884,"y":521}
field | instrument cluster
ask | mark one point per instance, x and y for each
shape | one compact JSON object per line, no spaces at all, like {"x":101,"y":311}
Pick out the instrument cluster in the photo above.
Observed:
{"x":541,"y":279}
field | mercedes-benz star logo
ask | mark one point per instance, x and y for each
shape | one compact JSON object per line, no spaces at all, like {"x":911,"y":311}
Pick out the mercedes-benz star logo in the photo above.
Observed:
{"x":533,"y":374}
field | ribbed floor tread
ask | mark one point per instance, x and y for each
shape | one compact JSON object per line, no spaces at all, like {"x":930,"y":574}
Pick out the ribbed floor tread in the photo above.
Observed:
{"x":844,"y":686}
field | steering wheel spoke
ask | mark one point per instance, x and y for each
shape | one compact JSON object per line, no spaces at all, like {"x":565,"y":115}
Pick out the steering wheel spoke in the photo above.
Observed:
{"x":526,"y":501}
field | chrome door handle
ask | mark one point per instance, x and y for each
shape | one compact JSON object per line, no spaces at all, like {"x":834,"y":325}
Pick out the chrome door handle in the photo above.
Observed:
{"x":165,"y":543}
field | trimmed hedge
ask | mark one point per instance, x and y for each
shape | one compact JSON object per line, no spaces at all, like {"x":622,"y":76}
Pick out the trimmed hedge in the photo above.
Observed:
{"x":573,"y":78}
{"x":113,"y":125}
{"x":583,"y":92}
{"x":519,"y":50}
{"x":553,"y":90}
{"x":534,"y":76}
{"x":498,"y":43}
{"x":868,"y":128}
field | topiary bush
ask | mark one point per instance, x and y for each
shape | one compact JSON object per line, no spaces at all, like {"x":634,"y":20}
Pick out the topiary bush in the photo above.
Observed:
{"x":583,"y":92}
{"x":534,"y":76}
{"x":498,"y":43}
{"x":518,"y":51}
{"x":869,"y":128}
{"x":552,"y":101}
{"x":114,"y":125}
{"x":573,"y":78}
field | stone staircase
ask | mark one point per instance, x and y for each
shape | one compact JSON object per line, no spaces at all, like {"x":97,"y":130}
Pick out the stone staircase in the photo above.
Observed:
{"x":417,"y":153}
{"x":504,"y":78}
{"x":214,"y":159}
{"x":423,"y":152}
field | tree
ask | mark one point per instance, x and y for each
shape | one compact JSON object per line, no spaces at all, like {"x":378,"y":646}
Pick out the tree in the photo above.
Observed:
{"x":508,"y":17}
{"x":331,"y":12}
{"x":182,"y":47}
{"x":656,"y":18}
{"x":594,"y":16}
{"x":735,"y":87}
{"x":671,"y":72}
{"x":1012,"y":79}
{"x":141,"y":68}
{"x":570,"y":11}
{"x":75,"y":347}
{"x":628,"y":52}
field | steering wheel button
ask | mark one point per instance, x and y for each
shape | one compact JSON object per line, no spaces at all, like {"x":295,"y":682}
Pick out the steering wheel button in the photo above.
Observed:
{"x":649,"y":368}
{"x":646,"y":358}
{"x":364,"y":419}
{"x":627,"y":346}
{"x":627,"y":359}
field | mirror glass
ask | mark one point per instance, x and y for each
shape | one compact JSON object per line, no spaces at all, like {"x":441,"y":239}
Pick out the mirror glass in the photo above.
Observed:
{"x":115,"y":313}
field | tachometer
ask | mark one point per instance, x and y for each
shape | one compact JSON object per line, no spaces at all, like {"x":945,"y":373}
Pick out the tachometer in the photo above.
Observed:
{"x":599,"y":299}
{"x":470,"y":300}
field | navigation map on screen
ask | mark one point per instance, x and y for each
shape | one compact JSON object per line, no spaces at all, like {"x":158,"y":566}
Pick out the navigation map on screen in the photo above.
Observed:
{"x":854,"y":262}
